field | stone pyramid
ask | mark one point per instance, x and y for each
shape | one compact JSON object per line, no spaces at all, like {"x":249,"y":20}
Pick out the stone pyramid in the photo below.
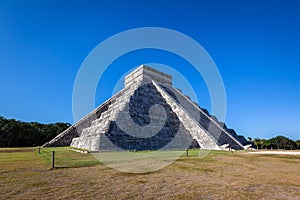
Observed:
{"x":149,"y":114}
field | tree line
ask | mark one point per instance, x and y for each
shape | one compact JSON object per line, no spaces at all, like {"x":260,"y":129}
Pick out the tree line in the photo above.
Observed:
{"x":14,"y":133}
{"x":278,"y":142}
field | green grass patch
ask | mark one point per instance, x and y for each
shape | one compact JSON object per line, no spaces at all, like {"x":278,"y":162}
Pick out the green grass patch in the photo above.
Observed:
{"x":65,"y":157}
{"x":8,"y":155}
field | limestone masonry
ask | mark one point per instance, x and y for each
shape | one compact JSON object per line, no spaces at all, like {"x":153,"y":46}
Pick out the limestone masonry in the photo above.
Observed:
{"x":149,"y":114}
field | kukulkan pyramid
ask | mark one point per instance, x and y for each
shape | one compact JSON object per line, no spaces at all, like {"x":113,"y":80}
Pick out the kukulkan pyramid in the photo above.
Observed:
{"x":149,"y":114}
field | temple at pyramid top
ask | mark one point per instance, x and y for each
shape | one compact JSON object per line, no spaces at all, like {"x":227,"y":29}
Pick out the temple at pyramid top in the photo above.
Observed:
{"x":145,"y":74}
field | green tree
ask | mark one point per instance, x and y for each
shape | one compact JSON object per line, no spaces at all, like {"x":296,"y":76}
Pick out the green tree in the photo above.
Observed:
{"x":281,"y":142}
{"x":298,"y":144}
{"x":15,"y":133}
{"x":256,"y":142}
{"x":263,"y":143}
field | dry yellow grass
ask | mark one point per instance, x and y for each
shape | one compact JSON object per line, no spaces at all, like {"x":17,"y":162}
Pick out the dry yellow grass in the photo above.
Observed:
{"x":24,"y":174}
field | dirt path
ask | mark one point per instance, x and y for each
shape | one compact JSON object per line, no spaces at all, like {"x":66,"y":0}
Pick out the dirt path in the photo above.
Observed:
{"x":276,"y":152}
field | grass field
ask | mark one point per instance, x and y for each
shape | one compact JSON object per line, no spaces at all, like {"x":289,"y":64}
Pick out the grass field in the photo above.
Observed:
{"x":25,"y":174}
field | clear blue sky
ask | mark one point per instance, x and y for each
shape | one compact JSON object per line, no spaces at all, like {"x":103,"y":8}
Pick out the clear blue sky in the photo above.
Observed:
{"x":255,"y":44}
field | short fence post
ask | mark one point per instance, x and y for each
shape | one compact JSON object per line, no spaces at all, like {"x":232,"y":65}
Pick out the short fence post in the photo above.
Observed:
{"x":39,"y":149}
{"x":187,"y":152}
{"x":52,"y":160}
